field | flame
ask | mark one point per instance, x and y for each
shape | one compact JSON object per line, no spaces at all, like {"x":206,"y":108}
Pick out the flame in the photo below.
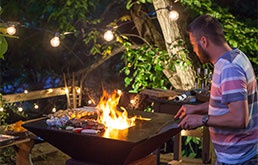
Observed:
{"x":116,"y":134}
{"x":110,"y":116}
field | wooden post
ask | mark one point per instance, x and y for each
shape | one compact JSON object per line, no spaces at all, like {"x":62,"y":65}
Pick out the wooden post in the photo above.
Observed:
{"x":67,"y":94}
{"x":74,"y":93}
{"x":80,"y":96}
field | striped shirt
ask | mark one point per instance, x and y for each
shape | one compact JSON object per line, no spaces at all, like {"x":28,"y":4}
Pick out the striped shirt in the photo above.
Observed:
{"x":233,"y":80}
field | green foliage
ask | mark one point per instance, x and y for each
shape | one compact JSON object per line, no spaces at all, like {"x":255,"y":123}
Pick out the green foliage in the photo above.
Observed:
{"x":130,"y":3}
{"x":3,"y":42}
{"x":70,"y":12}
{"x":191,"y":146}
{"x":7,"y":156}
{"x":143,"y":67}
{"x":3,"y":46}
{"x":6,"y":109}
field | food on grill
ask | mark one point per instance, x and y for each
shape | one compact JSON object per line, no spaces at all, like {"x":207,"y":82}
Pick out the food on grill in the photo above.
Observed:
{"x":76,"y":121}
{"x":71,"y":113}
{"x":16,"y":127}
{"x":58,"y":122}
{"x":78,"y":130}
{"x":92,"y":131}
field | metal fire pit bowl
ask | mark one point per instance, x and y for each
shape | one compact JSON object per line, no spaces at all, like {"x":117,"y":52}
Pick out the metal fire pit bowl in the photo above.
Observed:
{"x":120,"y":148}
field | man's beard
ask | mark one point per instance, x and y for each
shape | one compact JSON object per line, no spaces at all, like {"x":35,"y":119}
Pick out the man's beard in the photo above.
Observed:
{"x":203,"y":55}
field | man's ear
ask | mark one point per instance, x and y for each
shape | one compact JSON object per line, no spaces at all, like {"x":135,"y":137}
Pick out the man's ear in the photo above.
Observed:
{"x":204,"y":41}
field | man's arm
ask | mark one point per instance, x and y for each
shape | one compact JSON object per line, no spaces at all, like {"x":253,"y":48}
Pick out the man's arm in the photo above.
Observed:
{"x":237,"y":117}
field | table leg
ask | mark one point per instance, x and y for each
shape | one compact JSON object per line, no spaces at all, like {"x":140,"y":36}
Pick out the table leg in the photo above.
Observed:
{"x":206,"y":146}
{"x":177,"y":147}
{"x":23,"y":153}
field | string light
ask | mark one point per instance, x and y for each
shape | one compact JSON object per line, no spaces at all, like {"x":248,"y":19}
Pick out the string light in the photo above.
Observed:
{"x":78,"y":90}
{"x":89,"y":102}
{"x":119,"y":92}
{"x":36,"y":106}
{"x":132,"y":101}
{"x":20,"y":109}
{"x":66,"y":90}
{"x":108,"y":35}
{"x":54,"y":109}
{"x":55,"y":41}
{"x":173,"y":15}
{"x":50,"y":90}
{"x":11,"y":30}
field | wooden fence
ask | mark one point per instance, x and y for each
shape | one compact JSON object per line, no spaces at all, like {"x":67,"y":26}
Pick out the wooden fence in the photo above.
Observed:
{"x":73,"y":95}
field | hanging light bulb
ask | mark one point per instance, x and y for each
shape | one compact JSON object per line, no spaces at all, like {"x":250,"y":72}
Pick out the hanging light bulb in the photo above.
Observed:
{"x":66,"y":90}
{"x":89,"y":102}
{"x":108,"y":35}
{"x":119,"y":92}
{"x":11,"y":30}
{"x":54,"y":109}
{"x":36,"y":106}
{"x":132,"y":101}
{"x":1,"y":109}
{"x":26,"y":91}
{"x":78,"y":90}
{"x":50,"y":90}
{"x":55,"y":41}
{"x":20,"y":109}
{"x":173,"y":15}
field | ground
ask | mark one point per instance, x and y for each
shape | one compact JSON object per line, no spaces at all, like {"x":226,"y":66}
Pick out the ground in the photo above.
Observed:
{"x":46,"y":154}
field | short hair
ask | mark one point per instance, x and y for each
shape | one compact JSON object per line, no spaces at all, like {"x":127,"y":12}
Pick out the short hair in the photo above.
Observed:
{"x":208,"y":26}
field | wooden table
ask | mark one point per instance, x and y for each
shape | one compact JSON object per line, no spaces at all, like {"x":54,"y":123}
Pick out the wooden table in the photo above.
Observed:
{"x":24,"y":145}
{"x":163,"y":103}
{"x":169,"y":107}
{"x":23,"y":149}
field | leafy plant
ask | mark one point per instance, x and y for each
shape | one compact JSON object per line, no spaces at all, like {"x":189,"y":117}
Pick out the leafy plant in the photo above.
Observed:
{"x":6,"y":109}
{"x":7,"y":156}
{"x":191,"y":147}
{"x":3,"y":47}
{"x":144,"y":66}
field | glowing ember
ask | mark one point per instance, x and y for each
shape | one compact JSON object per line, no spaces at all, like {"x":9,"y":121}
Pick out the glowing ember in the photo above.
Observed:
{"x":110,"y":116}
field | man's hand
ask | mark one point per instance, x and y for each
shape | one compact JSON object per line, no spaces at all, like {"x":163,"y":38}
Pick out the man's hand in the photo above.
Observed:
{"x":183,"y":111}
{"x":191,"y":121}
{"x":192,"y":109}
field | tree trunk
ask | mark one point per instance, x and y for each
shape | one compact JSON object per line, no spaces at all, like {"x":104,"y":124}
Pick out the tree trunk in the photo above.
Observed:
{"x":146,"y":28}
{"x":182,"y":78}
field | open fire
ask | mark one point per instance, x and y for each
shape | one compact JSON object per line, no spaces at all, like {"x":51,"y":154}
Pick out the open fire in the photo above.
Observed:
{"x":110,"y":116}
{"x":106,"y":118}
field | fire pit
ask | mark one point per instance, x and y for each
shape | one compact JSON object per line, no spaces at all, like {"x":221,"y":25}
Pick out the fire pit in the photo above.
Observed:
{"x":116,"y":147}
